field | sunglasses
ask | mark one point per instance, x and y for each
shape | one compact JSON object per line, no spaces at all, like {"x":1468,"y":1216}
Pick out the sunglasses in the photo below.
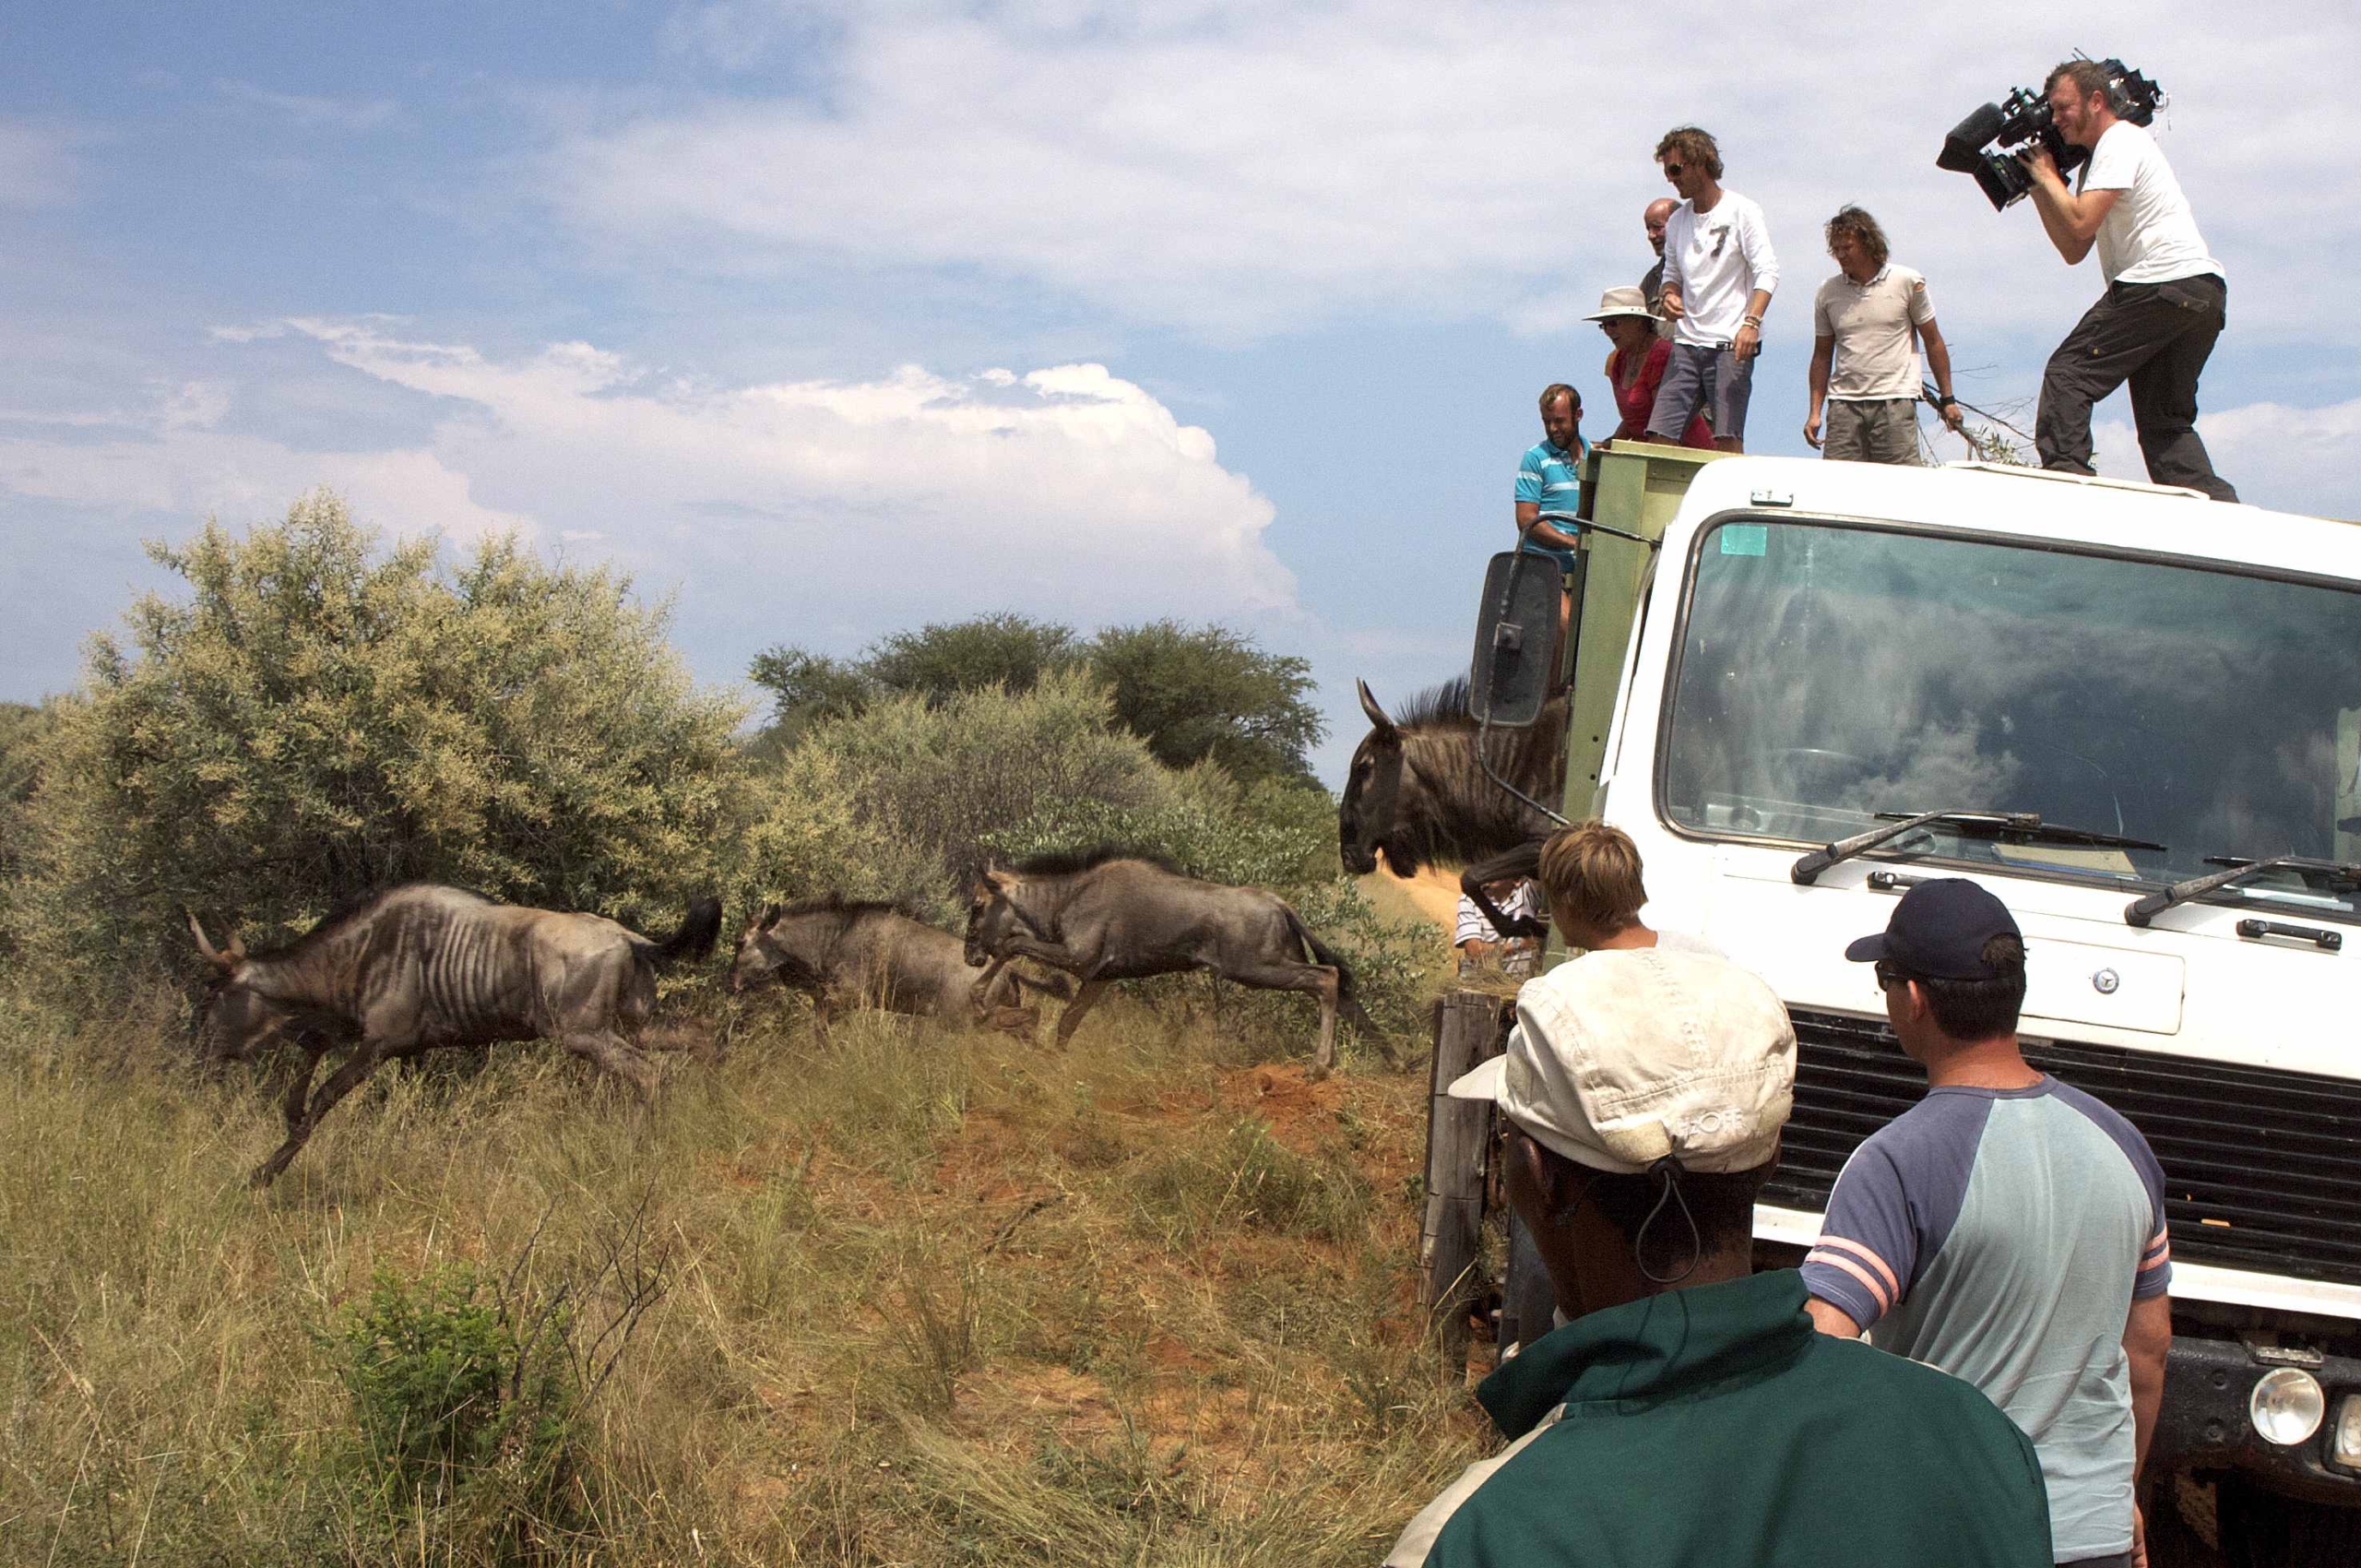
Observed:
{"x":1889,"y":977}
{"x":1674,"y":170}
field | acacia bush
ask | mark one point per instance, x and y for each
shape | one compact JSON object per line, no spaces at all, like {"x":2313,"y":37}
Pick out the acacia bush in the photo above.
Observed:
{"x":22,"y":729}
{"x":319,"y":717}
{"x":898,"y":799}
{"x":1194,"y":693}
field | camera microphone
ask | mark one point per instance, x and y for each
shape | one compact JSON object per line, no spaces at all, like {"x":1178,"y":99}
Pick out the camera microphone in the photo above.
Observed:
{"x":1963,"y":149}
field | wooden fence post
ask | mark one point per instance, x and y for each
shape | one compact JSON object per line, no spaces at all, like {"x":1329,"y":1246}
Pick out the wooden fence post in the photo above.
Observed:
{"x":1459,"y":1139}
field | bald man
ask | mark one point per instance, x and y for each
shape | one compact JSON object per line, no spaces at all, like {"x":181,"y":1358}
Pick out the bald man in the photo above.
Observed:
{"x":1658,"y":212}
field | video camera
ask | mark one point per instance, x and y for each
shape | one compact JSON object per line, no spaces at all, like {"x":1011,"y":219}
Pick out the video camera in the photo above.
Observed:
{"x":1986,"y":143}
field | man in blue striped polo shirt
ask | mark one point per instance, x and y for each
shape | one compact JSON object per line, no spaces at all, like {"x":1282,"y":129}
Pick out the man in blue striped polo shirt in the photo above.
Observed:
{"x":1549,"y":479}
{"x":1549,"y":491}
{"x":2006,"y":1228}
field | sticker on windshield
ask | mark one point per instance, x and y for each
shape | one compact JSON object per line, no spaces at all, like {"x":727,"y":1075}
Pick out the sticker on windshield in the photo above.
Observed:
{"x":1745,"y":538}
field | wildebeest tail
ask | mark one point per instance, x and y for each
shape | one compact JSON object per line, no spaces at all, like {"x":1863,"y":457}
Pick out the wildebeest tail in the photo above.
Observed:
{"x":694,"y":939}
{"x":1347,"y":1001}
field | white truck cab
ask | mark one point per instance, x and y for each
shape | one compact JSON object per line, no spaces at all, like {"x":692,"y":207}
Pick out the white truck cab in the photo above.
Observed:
{"x":2110,"y":692}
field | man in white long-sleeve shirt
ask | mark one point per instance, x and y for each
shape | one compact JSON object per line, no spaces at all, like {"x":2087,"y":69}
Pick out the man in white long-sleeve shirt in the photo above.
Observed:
{"x":1719,"y":275}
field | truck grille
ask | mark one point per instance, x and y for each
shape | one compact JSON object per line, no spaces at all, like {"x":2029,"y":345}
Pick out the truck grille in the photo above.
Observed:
{"x":2262,"y":1168}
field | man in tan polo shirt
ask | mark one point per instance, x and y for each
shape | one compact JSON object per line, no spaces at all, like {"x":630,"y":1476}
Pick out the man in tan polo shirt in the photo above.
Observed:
{"x":1865,"y":383}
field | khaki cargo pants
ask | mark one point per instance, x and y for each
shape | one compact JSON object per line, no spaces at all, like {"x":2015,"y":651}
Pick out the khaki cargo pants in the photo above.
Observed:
{"x":1881,"y":432}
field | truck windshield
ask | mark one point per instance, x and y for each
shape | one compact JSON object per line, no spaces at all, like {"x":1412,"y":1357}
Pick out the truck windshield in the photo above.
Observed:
{"x":1829,"y":672}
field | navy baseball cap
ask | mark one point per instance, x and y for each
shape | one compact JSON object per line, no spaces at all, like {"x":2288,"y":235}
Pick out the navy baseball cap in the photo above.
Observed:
{"x":1938,"y":931}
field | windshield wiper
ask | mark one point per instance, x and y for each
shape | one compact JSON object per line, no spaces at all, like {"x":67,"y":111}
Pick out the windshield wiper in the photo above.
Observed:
{"x":2025,"y":825}
{"x":2139,"y":911}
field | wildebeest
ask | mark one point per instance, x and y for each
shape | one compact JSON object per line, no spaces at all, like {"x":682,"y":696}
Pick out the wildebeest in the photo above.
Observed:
{"x":879,"y":954}
{"x":1110,"y":914}
{"x":1417,"y":791}
{"x":422,"y":967}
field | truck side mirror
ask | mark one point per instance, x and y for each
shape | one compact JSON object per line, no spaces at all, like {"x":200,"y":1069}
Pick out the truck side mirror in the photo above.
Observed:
{"x":1516,"y":640}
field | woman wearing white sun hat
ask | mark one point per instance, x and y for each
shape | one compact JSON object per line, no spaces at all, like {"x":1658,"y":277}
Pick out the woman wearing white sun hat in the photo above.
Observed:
{"x":1637,"y":364}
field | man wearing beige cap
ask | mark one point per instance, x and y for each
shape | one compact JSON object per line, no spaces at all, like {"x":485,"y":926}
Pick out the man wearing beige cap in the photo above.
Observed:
{"x":1688,"y":1412}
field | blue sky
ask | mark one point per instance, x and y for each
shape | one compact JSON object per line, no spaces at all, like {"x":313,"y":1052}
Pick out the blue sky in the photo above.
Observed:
{"x":829,"y":318}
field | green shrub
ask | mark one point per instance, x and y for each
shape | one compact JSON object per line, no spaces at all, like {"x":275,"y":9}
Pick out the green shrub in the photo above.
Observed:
{"x":1192,"y":694}
{"x":319,"y":719}
{"x":800,"y":830}
{"x":1210,"y":695}
{"x":23,"y":730}
{"x":450,"y":1381}
{"x":896,"y":801}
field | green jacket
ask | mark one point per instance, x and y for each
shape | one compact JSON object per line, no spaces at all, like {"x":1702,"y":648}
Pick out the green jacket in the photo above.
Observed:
{"x":1716,"y":1427}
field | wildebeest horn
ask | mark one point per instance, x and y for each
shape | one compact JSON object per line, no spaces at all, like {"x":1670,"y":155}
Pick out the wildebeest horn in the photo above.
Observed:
{"x":219,"y":959}
{"x":769,"y":916}
{"x":1004,"y":880}
{"x":1369,"y":706}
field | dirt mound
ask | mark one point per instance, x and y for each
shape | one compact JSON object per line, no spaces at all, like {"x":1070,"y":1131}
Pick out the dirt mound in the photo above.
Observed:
{"x":1300,"y":1110}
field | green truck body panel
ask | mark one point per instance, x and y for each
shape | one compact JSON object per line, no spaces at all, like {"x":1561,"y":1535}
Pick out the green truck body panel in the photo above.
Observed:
{"x":1633,"y":487}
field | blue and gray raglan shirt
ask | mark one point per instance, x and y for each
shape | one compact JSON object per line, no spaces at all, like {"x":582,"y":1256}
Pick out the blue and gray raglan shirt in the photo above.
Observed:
{"x":2002,"y":1235}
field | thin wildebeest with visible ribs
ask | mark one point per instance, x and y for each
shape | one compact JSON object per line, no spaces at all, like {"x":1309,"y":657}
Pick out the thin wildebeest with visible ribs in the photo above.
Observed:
{"x":1111,"y":914}
{"x":422,"y":967}
{"x":1417,"y":791}
{"x":881,"y":956}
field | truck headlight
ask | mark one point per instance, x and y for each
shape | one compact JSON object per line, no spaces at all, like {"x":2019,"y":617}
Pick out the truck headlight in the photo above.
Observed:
{"x":2345,"y":1444}
{"x":2286,"y":1405}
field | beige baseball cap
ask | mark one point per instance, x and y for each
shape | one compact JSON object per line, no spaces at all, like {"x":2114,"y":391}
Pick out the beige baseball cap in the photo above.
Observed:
{"x":1622,"y":1057}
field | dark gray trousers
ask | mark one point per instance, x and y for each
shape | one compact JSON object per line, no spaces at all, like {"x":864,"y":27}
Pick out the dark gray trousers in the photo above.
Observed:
{"x":2156,"y":336}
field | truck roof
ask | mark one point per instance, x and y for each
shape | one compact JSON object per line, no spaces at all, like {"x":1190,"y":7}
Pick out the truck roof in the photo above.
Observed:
{"x":2031,"y":504}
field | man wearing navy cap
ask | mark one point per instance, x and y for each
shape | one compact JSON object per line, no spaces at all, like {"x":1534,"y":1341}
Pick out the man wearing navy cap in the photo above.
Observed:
{"x":2006,"y":1228}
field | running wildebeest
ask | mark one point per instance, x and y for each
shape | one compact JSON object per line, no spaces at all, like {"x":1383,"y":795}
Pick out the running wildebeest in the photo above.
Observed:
{"x":878,"y":954}
{"x":403,"y":972}
{"x":1417,"y":791}
{"x":1110,"y":914}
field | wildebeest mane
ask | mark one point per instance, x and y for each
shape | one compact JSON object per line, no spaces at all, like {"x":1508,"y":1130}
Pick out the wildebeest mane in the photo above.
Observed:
{"x":1476,"y":817}
{"x":1441,"y":706}
{"x":1066,"y":862}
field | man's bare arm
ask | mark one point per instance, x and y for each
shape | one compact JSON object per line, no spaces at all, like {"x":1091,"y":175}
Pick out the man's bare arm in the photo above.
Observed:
{"x":2147,"y":1339}
{"x":2071,"y":220}
{"x":1831,"y":1320}
{"x":1823,"y":355}
{"x":1938,"y":364}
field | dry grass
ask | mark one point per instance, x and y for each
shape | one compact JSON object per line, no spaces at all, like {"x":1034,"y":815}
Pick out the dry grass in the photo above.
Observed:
{"x":934,"y":1298}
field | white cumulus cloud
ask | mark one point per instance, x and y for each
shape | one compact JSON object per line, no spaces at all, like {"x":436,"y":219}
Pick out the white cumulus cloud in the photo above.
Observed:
{"x":1242,"y":169}
{"x":791,"y":510}
{"x":2292,"y":459}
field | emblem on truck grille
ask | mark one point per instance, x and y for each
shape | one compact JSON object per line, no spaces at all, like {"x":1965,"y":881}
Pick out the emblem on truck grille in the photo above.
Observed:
{"x":2105,"y":982}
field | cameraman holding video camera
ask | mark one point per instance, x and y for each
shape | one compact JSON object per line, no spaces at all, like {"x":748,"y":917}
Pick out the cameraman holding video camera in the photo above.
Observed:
{"x":2162,"y":308}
